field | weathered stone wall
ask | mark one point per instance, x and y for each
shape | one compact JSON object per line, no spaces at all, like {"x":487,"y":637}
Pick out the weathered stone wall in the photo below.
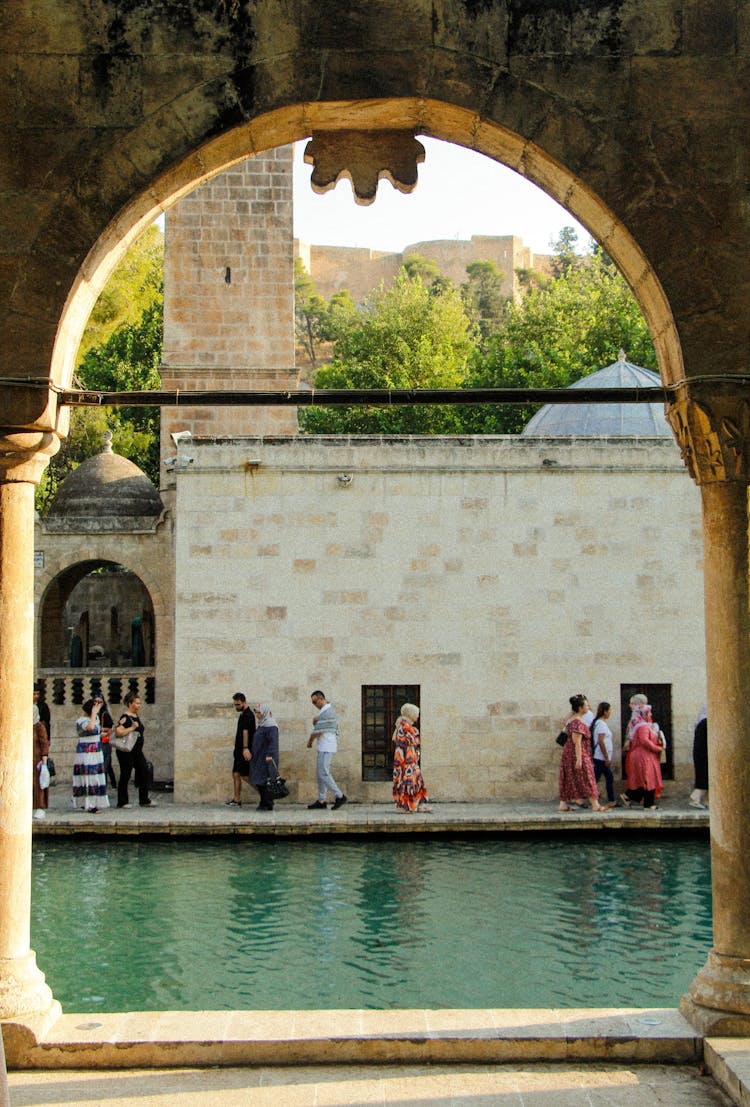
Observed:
{"x":149,"y":555}
{"x":501,"y":575}
{"x":632,"y":114}
{"x":229,"y":297}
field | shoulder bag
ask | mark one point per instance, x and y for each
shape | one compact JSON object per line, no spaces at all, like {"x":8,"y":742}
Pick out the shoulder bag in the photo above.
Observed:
{"x":125,"y":743}
{"x":276,"y":785}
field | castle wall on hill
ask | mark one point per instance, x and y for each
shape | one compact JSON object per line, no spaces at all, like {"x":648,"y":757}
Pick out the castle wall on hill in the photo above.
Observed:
{"x":361,"y":270}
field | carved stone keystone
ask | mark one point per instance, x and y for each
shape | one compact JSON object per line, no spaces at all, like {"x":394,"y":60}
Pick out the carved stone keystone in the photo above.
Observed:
{"x":364,"y":157}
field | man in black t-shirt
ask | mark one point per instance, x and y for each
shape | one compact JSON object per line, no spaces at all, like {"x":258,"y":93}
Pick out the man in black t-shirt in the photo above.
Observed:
{"x":242,"y":744}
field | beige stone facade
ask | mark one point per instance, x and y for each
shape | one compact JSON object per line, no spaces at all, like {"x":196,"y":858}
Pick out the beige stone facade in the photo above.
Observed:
{"x":499,"y":575}
{"x":229,"y":297}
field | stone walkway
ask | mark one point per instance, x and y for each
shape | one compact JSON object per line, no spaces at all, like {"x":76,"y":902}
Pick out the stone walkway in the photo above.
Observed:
{"x":172,"y":819}
{"x":533,"y":1085}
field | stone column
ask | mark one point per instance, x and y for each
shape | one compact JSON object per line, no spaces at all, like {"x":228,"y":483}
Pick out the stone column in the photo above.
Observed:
{"x":26,"y":1002}
{"x":715,"y":441}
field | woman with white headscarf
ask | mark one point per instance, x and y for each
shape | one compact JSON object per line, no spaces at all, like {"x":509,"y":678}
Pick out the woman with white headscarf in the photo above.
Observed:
{"x":264,"y":750}
{"x":644,"y":770}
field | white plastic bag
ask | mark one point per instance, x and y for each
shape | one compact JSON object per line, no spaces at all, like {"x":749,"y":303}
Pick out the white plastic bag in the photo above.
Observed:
{"x":44,"y":777}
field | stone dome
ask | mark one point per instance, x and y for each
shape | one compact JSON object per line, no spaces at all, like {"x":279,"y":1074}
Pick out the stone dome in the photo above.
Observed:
{"x":597,"y":420}
{"x":105,"y":492}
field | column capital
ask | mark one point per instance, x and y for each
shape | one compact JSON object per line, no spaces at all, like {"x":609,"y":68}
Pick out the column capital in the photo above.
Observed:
{"x":711,"y":422}
{"x":24,"y":454}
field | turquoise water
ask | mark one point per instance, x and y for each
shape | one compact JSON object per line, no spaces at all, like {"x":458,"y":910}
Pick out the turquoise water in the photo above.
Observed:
{"x":242,"y":924}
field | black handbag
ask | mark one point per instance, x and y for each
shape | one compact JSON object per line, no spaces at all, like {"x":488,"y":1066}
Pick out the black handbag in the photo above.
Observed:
{"x":562,"y":738}
{"x":276,"y":788}
{"x":51,"y":766}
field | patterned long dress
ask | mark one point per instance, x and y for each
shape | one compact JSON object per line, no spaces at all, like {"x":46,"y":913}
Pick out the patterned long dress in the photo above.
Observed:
{"x":575,"y":783}
{"x":408,"y":783}
{"x":89,"y":781}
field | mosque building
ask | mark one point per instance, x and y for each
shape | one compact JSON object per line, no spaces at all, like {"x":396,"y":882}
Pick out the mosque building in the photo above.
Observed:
{"x":485,"y":578}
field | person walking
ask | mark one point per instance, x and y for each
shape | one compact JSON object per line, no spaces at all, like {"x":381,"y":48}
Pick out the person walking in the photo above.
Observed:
{"x":409,"y":791}
{"x":577,"y":780}
{"x":243,"y":743}
{"x":325,"y":732}
{"x":699,"y":794}
{"x":644,"y":770}
{"x":264,"y":750}
{"x":603,"y":749}
{"x":89,"y":780}
{"x":129,"y":722}
{"x":40,"y":795}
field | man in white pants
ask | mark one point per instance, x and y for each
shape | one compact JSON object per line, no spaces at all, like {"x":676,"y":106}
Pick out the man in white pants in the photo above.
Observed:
{"x":326,"y":732}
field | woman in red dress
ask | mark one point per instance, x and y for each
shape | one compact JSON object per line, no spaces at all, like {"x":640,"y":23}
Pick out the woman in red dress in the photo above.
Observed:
{"x":577,"y":778}
{"x":409,"y":792}
{"x":644,"y":770}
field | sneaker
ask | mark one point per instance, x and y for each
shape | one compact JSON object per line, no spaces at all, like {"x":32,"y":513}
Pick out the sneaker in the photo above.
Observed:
{"x":40,"y":813}
{"x":700,"y":806}
{"x":232,"y":803}
{"x":124,"y":806}
{"x":317,"y":806}
{"x":338,"y":802}
{"x":625,"y":801}
{"x":149,"y":803}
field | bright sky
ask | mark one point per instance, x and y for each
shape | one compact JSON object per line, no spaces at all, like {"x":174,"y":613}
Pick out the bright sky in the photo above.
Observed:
{"x":459,"y":194}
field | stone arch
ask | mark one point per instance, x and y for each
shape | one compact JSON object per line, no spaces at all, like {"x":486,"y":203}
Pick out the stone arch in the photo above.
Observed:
{"x":428,"y":117}
{"x":128,"y":598}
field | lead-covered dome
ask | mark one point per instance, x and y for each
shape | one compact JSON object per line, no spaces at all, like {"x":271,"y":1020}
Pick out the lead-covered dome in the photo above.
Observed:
{"x":105,"y":492}
{"x":600,"y":420}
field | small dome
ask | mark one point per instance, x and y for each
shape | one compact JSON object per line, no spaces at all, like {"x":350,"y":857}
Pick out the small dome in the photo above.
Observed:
{"x":600,"y":420}
{"x":106,"y":488}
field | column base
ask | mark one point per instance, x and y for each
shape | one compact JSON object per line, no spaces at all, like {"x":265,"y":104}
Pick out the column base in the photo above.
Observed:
{"x":718,"y":1003}
{"x":23,"y":990}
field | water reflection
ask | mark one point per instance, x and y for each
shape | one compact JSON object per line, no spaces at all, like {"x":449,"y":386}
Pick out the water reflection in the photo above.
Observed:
{"x":384,"y":924}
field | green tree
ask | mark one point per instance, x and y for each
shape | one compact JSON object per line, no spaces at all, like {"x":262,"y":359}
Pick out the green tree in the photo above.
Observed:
{"x":564,"y":253}
{"x":484,"y":297}
{"x":405,"y":337}
{"x":310,"y":312}
{"x":556,"y":335}
{"x":127,"y":361}
{"x":136,"y":284}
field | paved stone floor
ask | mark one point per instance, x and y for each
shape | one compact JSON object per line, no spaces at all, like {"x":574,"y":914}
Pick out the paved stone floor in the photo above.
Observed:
{"x":532,"y":1085}
{"x":174,"y":819}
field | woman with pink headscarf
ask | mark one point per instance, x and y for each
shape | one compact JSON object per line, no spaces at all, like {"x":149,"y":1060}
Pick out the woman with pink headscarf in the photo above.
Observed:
{"x":644,"y":770}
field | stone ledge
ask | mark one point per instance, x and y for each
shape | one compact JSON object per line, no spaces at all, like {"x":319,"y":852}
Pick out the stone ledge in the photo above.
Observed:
{"x":728,"y":1061}
{"x":225,"y":1038}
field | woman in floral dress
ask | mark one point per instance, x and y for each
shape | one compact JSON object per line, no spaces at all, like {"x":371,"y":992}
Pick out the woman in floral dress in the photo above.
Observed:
{"x":409,"y":792}
{"x":577,"y":778}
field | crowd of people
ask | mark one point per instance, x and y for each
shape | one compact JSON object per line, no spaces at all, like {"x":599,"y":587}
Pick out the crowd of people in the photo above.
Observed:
{"x":587,"y":756}
{"x":93,"y":771}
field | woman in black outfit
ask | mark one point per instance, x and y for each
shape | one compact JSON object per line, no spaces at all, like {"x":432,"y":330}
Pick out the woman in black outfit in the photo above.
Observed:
{"x":128,"y":722}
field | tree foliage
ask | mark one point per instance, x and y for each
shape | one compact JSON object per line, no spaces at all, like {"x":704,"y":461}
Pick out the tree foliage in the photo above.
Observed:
{"x":556,"y":335}
{"x":484,"y":297}
{"x":406,"y":336}
{"x":127,"y":360}
{"x":136,"y":285}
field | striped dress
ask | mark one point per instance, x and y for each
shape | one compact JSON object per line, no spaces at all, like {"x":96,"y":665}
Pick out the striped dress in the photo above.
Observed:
{"x":89,"y":780}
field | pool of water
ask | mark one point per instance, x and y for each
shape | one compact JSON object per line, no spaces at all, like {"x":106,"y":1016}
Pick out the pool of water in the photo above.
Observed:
{"x":142,"y":925}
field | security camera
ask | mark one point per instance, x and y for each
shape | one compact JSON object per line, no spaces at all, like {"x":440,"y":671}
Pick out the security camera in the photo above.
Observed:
{"x":344,"y":478}
{"x":169,"y":460}
{"x":180,"y":436}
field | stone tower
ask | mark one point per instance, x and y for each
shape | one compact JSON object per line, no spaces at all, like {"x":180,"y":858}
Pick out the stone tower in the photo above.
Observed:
{"x":229,"y":298}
